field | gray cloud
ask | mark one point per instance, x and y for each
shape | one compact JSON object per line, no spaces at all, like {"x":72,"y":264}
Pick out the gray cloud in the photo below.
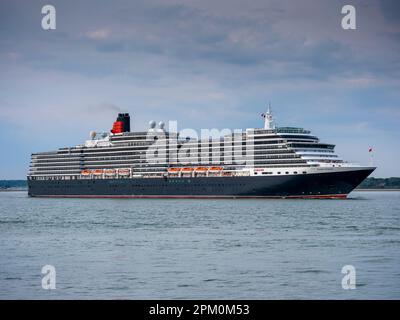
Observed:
{"x":205,"y":63}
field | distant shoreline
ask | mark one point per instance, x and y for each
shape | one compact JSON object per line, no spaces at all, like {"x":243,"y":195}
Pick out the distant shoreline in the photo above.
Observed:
{"x":377,"y":189}
{"x":26,"y":190}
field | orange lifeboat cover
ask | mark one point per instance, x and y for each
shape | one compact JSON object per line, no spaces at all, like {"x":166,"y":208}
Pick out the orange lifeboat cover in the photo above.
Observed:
{"x":201,"y":169}
{"x":216,"y":168}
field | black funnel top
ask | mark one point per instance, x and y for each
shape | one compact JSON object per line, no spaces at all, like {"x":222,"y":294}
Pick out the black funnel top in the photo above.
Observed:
{"x":126,"y":120}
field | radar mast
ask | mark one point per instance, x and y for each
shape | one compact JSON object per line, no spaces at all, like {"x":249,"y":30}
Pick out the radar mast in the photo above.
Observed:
{"x":268,"y":119}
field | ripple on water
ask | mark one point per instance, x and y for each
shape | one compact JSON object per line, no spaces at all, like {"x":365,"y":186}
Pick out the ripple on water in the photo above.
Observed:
{"x":200,"y":248}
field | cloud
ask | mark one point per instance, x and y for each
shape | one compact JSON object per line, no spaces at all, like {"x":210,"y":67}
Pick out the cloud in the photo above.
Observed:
{"x":204,"y":63}
{"x":99,"y":34}
{"x":13,"y":56}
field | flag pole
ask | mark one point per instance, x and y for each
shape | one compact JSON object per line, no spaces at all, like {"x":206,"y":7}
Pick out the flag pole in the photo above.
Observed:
{"x":371,"y":160}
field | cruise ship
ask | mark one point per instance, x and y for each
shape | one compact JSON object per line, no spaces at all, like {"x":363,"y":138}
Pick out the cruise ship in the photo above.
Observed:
{"x":268,"y":162}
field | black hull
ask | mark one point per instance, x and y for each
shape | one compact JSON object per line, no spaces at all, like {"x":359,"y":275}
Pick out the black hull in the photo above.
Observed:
{"x":314,"y":185}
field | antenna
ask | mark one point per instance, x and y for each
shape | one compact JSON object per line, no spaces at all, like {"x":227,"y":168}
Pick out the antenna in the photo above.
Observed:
{"x":268,"y":118}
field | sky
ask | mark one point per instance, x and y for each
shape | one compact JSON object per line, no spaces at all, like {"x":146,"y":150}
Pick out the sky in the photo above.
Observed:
{"x":204,"y":63}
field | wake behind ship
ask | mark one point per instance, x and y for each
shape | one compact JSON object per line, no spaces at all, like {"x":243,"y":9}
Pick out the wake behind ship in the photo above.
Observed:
{"x":272,"y":162}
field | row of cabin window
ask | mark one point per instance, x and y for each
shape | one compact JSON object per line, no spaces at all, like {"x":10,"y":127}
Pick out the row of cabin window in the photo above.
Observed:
{"x":287,"y":172}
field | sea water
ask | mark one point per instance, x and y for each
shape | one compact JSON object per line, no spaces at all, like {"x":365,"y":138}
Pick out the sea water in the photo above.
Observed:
{"x":200,"y":249}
